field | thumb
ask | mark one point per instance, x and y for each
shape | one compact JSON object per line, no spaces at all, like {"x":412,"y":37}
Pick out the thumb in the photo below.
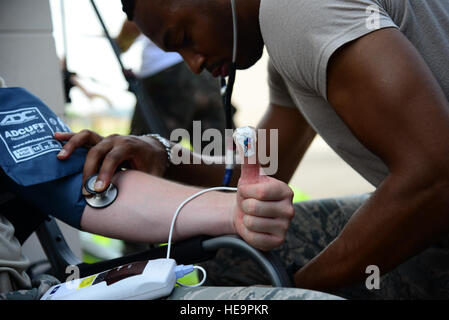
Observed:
{"x":246,"y":141}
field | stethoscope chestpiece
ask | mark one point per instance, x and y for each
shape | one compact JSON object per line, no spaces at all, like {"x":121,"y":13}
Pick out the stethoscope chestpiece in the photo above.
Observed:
{"x":99,"y":200}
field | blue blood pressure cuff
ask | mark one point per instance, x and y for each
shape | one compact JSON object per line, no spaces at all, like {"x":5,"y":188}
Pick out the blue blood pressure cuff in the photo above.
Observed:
{"x":28,"y":157}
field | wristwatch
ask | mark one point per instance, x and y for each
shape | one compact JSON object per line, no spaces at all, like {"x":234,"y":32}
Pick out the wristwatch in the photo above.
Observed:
{"x":165,"y":142}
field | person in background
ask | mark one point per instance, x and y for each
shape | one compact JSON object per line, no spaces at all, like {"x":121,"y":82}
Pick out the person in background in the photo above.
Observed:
{"x":71,"y":79}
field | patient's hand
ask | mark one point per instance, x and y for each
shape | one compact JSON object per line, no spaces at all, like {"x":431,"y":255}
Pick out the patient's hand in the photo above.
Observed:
{"x":264,"y":205}
{"x":263,"y":212}
{"x":107,"y":154}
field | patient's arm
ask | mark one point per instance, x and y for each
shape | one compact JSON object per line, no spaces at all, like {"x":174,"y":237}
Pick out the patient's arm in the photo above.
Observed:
{"x":145,"y":206}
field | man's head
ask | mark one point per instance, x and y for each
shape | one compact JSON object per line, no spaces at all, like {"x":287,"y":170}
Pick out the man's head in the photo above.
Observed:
{"x":201,"y":30}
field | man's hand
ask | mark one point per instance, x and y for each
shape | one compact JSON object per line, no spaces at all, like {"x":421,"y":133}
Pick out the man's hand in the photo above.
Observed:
{"x":107,"y":154}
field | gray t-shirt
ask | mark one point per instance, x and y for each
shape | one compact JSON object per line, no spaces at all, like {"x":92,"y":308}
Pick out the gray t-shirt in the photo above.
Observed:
{"x":302,"y":35}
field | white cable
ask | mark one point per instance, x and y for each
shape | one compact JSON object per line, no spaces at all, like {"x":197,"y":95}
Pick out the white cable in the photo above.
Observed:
{"x":183,"y":204}
{"x":198,"y":284}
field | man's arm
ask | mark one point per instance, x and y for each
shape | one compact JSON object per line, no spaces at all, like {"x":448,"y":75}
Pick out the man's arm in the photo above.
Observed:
{"x":295,"y":137}
{"x":381,"y":87}
{"x":145,"y":206}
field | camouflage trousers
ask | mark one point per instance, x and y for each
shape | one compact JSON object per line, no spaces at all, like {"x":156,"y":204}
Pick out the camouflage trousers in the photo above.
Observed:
{"x":315,"y":225}
{"x":45,"y":282}
{"x":248,"y":293}
{"x":40,"y":285}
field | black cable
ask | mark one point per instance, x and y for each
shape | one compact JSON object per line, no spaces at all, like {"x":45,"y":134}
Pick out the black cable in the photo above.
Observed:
{"x":228,"y":96}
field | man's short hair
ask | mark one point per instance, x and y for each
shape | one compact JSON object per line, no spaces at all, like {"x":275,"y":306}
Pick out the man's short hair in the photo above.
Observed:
{"x":128,"y":8}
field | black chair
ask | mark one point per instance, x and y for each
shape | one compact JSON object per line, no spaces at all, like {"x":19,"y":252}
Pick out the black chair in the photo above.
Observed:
{"x":192,"y":251}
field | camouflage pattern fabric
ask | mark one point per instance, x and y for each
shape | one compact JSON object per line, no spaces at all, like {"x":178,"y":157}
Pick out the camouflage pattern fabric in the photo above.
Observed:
{"x":315,"y":225}
{"x":247,"y":293}
{"x":44,"y":282}
{"x":40,"y":285}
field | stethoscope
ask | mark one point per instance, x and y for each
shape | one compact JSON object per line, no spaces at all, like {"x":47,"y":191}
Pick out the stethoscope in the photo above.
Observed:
{"x":226,"y":91}
{"x":103,"y":199}
{"x":99,"y":200}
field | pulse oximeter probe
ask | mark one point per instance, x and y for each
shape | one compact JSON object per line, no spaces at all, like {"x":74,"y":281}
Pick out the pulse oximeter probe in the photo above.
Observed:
{"x":99,"y":200}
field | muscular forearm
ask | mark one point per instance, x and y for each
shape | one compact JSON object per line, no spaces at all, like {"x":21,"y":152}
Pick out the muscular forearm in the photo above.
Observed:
{"x":400,"y":220}
{"x":294,"y":138}
{"x":146,"y":204}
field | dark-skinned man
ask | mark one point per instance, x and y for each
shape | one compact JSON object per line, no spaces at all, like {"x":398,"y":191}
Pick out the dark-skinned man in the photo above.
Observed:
{"x":370,"y":77}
